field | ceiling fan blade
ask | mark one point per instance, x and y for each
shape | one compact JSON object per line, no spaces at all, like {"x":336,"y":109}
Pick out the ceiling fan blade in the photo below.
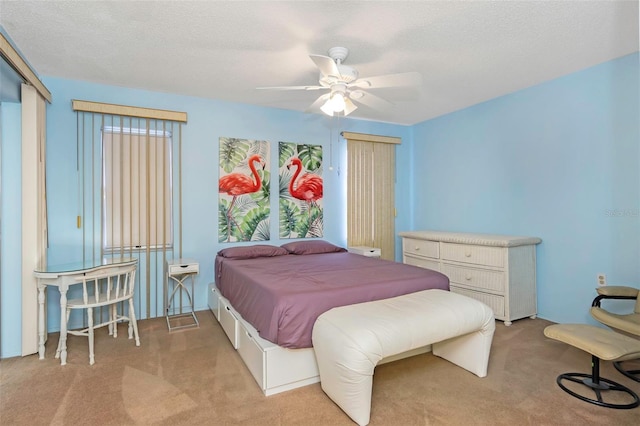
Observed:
{"x":373,"y":101}
{"x":315,"y":106}
{"x":326,"y":65}
{"x":292,"y":88}
{"x":406,"y":79}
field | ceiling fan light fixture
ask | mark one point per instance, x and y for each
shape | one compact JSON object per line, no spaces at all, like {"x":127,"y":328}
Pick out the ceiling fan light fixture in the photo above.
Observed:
{"x":335,"y":103}
{"x":327,"y":109}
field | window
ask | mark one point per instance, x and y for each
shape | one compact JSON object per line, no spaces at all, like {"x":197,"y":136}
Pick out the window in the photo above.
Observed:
{"x":137,"y":175}
{"x":370,"y":192}
{"x":130,"y":191}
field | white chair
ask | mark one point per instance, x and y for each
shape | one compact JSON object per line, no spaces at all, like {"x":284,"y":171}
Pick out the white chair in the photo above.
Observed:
{"x":108,"y":288}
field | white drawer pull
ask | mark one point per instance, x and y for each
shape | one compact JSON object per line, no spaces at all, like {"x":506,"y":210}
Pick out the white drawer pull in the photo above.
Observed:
{"x":417,"y":248}
{"x":467,"y":253}
{"x":468,"y":277}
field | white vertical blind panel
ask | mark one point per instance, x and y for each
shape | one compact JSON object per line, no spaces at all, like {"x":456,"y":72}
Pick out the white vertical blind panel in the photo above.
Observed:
{"x":384,"y":199}
{"x":359,"y":194}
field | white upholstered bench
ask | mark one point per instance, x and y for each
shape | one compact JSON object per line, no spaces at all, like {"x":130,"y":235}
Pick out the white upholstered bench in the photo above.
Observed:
{"x":350,"y":341}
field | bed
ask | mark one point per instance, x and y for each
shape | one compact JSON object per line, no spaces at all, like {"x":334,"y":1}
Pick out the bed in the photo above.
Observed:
{"x":267,"y":299}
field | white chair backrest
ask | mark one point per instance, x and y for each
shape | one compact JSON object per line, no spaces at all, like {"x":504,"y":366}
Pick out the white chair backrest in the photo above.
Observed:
{"x":108,"y":286}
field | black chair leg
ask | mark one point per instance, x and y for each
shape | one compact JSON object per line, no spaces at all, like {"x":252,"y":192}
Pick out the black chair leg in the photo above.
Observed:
{"x":632,"y":374}
{"x":598,"y":385}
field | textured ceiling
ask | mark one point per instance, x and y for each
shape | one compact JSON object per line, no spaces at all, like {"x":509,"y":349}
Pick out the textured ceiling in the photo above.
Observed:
{"x":467,"y":52}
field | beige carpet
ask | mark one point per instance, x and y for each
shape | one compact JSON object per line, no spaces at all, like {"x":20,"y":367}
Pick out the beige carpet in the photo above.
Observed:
{"x":194,"y":377}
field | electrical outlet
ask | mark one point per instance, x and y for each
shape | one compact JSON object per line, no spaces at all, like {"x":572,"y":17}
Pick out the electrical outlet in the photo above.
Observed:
{"x":602,"y":279}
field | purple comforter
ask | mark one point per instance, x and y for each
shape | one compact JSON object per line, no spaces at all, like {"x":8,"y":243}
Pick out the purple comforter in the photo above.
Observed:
{"x":283,"y":296}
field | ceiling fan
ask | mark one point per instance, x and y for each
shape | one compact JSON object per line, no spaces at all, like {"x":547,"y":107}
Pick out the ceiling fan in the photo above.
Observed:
{"x":346,"y":88}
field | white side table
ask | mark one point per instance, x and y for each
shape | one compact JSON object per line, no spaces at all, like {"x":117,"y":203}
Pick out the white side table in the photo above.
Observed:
{"x":178,"y":272}
{"x":365,"y":251}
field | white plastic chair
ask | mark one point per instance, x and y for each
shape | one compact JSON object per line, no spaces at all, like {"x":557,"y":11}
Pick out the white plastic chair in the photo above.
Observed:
{"x":106,"y":288}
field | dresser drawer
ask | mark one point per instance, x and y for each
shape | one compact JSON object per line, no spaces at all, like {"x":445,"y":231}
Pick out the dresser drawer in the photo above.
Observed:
{"x":481,"y":279}
{"x":421,"y":262}
{"x":496,"y":303}
{"x":422,"y":248}
{"x":477,"y":255}
{"x":229,"y":323}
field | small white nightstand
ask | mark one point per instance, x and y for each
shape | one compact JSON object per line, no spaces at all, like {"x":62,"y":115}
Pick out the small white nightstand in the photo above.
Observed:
{"x":365,"y":251}
{"x":178,"y":271}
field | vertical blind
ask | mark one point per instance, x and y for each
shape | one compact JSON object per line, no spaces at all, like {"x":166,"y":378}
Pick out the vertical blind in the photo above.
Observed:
{"x":370,"y":192}
{"x":129,"y":174}
{"x":137,"y":210}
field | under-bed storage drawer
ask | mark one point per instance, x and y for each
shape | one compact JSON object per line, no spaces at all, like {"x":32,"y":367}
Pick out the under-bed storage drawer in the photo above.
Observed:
{"x":495,"y":302}
{"x":229,"y":322}
{"x":252,"y":355}
{"x":213,"y":300}
{"x":275,"y":368}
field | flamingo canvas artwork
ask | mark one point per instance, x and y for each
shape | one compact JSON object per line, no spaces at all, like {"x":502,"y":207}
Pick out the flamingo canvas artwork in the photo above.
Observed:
{"x":243,"y":190}
{"x":301,"y":190}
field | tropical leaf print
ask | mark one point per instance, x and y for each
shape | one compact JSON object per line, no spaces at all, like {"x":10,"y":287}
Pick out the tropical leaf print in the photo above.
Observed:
{"x":285,"y":152}
{"x":243,"y":188}
{"x":289,"y":213}
{"x":232,"y":152}
{"x":300,"y":190}
{"x":311,"y":156}
{"x":251,"y":222}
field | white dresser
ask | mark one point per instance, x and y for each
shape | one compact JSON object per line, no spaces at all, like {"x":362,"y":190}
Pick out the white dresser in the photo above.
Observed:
{"x":497,"y":270}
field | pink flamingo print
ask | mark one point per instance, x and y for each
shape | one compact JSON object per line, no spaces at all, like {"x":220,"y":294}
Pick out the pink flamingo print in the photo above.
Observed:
{"x":236,"y":184}
{"x":307,"y":188}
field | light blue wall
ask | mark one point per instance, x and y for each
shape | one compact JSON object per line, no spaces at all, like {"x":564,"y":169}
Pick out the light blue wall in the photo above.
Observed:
{"x":207,"y":121}
{"x":11,"y":288}
{"x":559,"y":161}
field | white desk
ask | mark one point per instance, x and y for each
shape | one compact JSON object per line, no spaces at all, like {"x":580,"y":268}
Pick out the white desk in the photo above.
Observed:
{"x":62,"y":276}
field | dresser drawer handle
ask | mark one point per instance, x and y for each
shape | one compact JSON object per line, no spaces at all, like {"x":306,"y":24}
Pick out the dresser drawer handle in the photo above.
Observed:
{"x":467,"y":254}
{"x":417,"y":248}
{"x":468,"y":277}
